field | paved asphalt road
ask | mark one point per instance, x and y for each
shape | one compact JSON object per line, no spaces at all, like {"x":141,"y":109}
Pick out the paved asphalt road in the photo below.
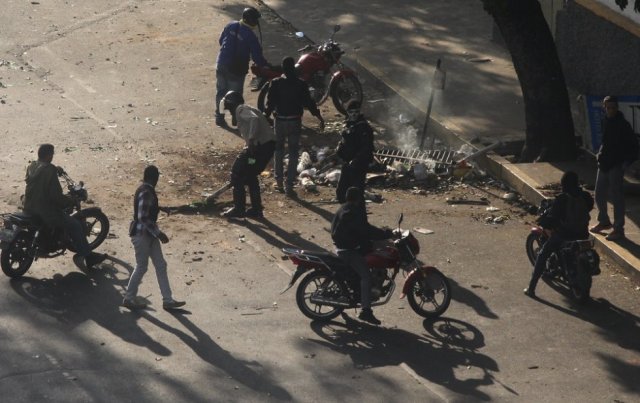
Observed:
{"x":117,"y":84}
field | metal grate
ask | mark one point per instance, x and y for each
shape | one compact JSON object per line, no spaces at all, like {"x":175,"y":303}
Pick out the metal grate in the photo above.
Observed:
{"x":440,"y":158}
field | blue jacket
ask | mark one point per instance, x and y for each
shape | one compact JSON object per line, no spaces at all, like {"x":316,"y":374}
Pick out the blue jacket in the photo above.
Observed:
{"x":239,"y":40}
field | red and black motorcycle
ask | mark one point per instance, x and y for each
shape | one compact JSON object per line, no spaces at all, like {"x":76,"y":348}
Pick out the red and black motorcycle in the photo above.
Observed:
{"x":322,"y":70}
{"x":330,"y":286}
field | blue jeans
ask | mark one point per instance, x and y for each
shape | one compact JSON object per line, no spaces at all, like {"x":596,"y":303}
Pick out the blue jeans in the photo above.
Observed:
{"x":288,"y":130}
{"x":611,"y":182}
{"x":75,"y":229}
{"x":225,"y":82}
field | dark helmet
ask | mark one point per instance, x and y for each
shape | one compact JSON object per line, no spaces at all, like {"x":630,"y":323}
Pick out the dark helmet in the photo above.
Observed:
{"x":250,"y":15}
{"x":231,"y":100}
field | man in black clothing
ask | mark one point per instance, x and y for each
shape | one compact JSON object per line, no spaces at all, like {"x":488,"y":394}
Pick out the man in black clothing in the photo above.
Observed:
{"x":356,"y":150}
{"x":352,"y":235}
{"x":618,"y":150}
{"x":287,"y":98}
{"x":568,"y":220}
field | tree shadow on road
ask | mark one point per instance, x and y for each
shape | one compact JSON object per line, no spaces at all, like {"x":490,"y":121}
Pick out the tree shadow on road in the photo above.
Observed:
{"x":75,"y":298}
{"x":249,"y":373}
{"x":449,"y":344}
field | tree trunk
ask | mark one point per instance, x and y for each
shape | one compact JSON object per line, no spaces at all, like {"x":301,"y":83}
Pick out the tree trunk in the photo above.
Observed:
{"x":549,"y":125}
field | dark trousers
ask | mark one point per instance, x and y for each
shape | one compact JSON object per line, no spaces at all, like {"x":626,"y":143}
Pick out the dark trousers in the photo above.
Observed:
{"x":75,"y":229}
{"x":552,"y":245}
{"x":244,"y":172}
{"x":357,"y":262}
{"x":350,"y":176}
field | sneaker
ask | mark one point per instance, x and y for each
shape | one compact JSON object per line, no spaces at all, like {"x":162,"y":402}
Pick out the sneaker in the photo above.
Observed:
{"x":133,"y":304}
{"x":93,"y":259}
{"x":600,"y":227}
{"x":615,"y":236}
{"x":367,"y":316}
{"x":173,"y":304}
{"x":254,"y":213}
{"x":530,"y":292}
{"x":233,"y":213}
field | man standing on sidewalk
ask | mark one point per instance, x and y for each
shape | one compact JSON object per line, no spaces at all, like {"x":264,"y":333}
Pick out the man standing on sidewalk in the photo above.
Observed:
{"x":146,"y":238}
{"x":618,"y":150}
{"x":238,"y":43}
{"x":260,"y":143}
{"x":287,"y":98}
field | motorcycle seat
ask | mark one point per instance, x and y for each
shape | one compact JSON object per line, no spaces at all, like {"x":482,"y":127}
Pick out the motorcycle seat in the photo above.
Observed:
{"x":329,"y":258}
{"x":22,"y":218}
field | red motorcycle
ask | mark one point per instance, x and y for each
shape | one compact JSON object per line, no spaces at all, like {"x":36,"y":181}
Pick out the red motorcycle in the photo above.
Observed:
{"x":330,"y":286}
{"x":322,"y":70}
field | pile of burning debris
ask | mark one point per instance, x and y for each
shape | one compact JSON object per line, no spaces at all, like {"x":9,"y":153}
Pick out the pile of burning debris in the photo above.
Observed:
{"x":408,"y":169}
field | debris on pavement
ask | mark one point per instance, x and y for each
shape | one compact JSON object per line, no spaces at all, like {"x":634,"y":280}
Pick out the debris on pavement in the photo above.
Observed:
{"x":480,"y":202}
{"x":423,"y":230}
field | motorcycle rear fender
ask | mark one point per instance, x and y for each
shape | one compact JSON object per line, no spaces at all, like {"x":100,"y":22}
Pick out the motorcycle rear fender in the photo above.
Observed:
{"x":413,"y":276}
{"x":300,"y":270}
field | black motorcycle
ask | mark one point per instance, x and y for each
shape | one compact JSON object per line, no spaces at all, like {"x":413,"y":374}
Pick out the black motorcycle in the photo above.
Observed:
{"x":574,"y":264}
{"x":25,"y":238}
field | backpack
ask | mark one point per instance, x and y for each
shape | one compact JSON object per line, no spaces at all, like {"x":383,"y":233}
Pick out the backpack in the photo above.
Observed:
{"x":576,"y":217}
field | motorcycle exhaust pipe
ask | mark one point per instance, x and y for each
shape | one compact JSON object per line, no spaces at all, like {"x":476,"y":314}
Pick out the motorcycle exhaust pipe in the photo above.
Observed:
{"x":330,"y":302}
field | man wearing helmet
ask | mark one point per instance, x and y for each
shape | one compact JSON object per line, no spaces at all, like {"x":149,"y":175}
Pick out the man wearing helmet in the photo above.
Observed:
{"x":355,"y":149}
{"x":260,"y":143}
{"x":238,"y":43}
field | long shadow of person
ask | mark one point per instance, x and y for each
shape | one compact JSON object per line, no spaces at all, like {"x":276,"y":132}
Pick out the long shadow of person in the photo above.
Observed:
{"x":278,"y":237}
{"x":75,"y":298}
{"x":471,"y":299}
{"x":326,"y":214}
{"x":249,"y":373}
{"x":433,"y":358}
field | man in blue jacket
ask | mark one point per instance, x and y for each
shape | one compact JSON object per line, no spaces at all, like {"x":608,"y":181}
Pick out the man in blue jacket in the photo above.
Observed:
{"x":238,"y":44}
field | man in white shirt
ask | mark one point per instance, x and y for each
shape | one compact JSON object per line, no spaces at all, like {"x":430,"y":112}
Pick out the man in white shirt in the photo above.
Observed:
{"x":258,"y":151}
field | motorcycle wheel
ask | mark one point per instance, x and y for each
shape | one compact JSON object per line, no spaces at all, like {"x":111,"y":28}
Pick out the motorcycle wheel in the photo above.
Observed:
{"x":581,"y":291}
{"x":533,"y":244}
{"x":314,"y":282}
{"x":429,"y":295}
{"x":16,"y":259}
{"x":343,"y":90}
{"x":96,"y":225}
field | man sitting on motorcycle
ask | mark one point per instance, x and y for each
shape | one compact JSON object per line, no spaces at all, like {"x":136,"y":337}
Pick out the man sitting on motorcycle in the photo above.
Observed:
{"x":567,"y":220}
{"x":44,"y":199}
{"x":352,"y":235}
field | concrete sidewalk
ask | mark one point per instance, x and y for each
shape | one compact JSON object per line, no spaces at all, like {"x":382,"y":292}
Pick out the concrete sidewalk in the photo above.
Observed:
{"x":482,"y":103}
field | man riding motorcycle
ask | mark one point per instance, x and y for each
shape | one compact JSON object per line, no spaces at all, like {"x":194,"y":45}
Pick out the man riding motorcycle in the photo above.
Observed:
{"x":44,"y":198}
{"x":352,"y":235}
{"x":567,"y":220}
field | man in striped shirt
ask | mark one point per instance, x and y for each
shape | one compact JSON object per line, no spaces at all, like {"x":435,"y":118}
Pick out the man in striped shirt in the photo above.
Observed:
{"x":146,"y":238}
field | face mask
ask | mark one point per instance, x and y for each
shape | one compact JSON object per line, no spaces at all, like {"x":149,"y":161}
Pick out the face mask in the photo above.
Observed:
{"x":352,"y":115}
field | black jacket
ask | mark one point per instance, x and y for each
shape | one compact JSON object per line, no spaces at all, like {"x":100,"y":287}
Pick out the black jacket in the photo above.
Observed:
{"x":351,"y":230}
{"x":288,"y":97}
{"x":356,"y":145}
{"x":569,"y":215}
{"x":619,"y":143}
